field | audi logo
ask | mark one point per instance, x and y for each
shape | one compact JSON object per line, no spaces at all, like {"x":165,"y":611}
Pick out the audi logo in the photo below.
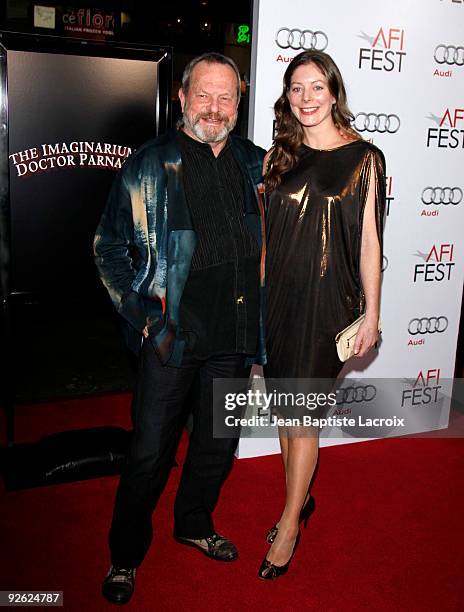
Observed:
{"x":384,"y":263}
{"x":428,"y":325}
{"x":301,"y":39}
{"x":351,"y":395}
{"x":449,"y":55}
{"x":382,"y":123}
{"x":442,"y":195}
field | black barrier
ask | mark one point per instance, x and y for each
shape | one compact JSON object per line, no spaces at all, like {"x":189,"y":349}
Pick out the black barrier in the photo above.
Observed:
{"x":72,"y":111}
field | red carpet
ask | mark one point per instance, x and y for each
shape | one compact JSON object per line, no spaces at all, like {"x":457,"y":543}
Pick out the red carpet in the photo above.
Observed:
{"x":387,"y":533}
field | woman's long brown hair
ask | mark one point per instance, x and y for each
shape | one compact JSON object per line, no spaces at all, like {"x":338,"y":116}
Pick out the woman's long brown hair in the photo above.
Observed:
{"x":289,"y":132}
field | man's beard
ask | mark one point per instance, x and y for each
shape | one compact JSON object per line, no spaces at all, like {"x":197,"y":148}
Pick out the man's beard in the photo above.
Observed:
{"x":211,"y":133}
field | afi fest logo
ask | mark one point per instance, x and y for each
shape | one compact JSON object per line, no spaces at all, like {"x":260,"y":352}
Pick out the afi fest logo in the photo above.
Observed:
{"x":438,"y":264}
{"x":389,"y":197}
{"x":449,"y":133}
{"x":385,"y":50}
{"x":424,"y":389}
{"x":299,"y":39}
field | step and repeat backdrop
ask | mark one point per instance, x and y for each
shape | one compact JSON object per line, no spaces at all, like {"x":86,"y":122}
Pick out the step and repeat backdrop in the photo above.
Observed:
{"x":403,"y":66}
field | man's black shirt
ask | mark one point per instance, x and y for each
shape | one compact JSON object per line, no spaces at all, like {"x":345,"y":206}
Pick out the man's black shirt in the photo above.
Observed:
{"x":219,"y":310}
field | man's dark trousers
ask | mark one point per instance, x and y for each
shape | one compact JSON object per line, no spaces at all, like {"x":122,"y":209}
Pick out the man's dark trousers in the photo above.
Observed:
{"x":160,"y":411}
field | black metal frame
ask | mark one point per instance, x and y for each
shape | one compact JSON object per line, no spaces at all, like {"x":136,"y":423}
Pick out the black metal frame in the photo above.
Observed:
{"x":72,"y":46}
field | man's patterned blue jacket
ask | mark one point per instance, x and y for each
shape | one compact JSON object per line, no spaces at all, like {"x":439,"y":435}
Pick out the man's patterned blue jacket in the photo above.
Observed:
{"x":145,"y":240}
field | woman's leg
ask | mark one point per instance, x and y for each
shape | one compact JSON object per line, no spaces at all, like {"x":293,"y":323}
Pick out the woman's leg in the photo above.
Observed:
{"x":302,"y":446}
{"x":283,"y":439}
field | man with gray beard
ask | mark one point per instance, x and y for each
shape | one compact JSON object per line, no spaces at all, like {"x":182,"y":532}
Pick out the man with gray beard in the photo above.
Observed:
{"x":180,"y":250}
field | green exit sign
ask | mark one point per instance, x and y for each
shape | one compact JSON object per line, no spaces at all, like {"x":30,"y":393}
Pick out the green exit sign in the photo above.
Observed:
{"x":243,"y":34}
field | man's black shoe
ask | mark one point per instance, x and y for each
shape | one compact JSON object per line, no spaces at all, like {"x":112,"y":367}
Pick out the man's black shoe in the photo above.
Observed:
{"x":216,"y":547}
{"x":118,"y":585}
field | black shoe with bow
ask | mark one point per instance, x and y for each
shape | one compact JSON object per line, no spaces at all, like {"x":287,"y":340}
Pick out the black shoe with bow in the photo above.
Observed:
{"x":305,"y":513}
{"x":118,"y":585}
{"x":216,"y":547}
{"x":270,"y":571}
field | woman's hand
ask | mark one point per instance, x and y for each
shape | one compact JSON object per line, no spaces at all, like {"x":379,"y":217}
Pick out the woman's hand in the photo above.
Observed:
{"x":366,"y":337}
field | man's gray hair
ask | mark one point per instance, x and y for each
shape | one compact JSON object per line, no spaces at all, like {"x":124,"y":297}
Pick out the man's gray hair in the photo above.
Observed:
{"x":210,"y":58}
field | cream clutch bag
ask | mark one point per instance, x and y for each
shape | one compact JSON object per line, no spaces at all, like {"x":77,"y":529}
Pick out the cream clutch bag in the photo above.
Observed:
{"x":345,"y":339}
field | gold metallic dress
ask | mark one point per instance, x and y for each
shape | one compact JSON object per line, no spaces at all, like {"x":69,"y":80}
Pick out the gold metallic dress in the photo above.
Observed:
{"x":314,"y":225}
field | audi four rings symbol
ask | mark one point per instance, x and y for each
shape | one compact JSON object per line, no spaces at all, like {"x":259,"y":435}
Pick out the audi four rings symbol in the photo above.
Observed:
{"x":449,"y":55}
{"x":351,"y":395}
{"x":427,"y":325}
{"x":442,"y":195}
{"x":301,"y":39}
{"x":371,"y":122}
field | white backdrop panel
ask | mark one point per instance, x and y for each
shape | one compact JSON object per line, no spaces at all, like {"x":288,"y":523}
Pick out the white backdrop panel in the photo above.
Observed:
{"x":403,"y":59}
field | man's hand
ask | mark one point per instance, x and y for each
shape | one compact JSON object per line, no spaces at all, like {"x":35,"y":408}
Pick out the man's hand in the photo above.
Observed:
{"x":145,"y":331}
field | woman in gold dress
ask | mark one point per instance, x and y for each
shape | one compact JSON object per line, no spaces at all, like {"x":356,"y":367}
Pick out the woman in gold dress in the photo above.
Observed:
{"x":325,"y":187}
